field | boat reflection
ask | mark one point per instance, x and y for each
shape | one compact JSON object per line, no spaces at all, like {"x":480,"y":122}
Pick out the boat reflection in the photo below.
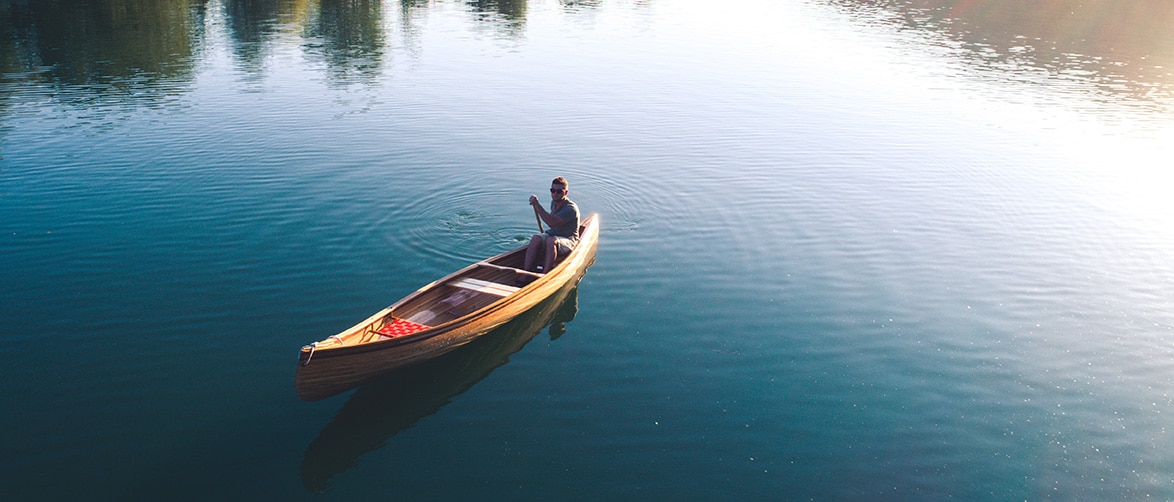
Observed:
{"x":380,"y":409}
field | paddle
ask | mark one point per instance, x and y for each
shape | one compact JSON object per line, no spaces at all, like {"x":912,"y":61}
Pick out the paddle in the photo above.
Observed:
{"x":539,"y":218}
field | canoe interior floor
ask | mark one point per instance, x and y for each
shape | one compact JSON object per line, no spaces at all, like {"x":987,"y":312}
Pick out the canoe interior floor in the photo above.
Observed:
{"x":448,"y":302}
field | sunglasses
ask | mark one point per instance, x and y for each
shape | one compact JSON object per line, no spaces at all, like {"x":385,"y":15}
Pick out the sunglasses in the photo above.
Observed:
{"x":557,"y":190}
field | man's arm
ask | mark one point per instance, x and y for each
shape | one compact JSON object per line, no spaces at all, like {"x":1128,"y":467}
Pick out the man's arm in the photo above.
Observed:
{"x":551,"y":220}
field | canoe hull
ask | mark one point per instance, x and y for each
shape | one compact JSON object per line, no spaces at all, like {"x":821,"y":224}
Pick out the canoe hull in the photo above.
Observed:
{"x":323,"y":372}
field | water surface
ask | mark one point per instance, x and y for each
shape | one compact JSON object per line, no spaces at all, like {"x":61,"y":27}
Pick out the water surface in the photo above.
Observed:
{"x":905,"y":250}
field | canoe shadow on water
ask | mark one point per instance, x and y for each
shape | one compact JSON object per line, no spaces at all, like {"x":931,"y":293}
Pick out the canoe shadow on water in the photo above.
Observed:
{"x":381,"y":409}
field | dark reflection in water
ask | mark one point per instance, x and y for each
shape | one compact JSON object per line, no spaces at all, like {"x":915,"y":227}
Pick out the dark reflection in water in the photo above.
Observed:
{"x":350,"y":37}
{"x":505,"y":17}
{"x":253,"y":25}
{"x":1111,"y":50}
{"x":133,"y":50}
{"x":379,"y":410}
{"x":86,"y":49}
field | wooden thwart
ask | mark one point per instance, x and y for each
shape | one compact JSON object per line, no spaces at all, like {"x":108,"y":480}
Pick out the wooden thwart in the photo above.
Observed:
{"x":535,"y":275}
{"x":486,"y":287}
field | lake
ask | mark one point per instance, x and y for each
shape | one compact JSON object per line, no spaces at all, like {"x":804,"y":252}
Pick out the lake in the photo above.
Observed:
{"x":894,"y":249}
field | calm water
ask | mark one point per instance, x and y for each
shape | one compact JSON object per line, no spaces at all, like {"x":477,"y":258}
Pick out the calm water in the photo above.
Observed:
{"x":851,"y":249}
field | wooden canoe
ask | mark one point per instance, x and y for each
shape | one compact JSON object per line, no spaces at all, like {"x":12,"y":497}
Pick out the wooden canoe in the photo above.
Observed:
{"x":437,"y":318}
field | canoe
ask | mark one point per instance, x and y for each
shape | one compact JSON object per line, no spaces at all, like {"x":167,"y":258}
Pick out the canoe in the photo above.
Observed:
{"x":437,"y":318}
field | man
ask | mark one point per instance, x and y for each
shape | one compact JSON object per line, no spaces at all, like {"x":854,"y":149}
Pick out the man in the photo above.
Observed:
{"x":563,"y":220}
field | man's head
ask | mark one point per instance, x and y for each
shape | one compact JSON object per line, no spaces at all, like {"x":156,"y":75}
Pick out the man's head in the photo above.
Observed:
{"x":559,"y":188}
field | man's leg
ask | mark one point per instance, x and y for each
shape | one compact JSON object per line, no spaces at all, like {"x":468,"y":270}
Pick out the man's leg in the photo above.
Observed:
{"x":532,"y":251}
{"x":551,"y":254}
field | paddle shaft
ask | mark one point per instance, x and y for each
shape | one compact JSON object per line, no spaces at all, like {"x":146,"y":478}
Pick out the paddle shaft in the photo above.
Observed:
{"x":539,"y":218}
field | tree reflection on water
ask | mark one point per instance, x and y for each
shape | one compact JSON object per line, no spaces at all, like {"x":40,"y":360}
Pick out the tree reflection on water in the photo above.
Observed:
{"x":1109,"y":50}
{"x":144,"y":51}
{"x":141,"y":51}
{"x":83,"y":48}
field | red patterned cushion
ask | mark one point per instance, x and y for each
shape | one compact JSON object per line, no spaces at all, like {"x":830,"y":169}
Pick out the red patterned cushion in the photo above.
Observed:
{"x":401,"y":327}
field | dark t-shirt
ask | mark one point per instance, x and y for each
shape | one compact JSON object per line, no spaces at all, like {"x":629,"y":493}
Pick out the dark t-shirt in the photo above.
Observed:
{"x":569,"y":213}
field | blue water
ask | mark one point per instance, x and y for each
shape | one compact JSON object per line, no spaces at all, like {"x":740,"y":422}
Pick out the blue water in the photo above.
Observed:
{"x":850,"y":250}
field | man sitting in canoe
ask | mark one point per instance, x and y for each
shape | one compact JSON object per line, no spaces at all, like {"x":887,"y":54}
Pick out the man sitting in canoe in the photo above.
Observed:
{"x":563,"y":220}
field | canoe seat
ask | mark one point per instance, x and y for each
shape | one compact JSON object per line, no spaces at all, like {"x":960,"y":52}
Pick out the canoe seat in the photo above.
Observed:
{"x":400,"y":327}
{"x":486,"y":287}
